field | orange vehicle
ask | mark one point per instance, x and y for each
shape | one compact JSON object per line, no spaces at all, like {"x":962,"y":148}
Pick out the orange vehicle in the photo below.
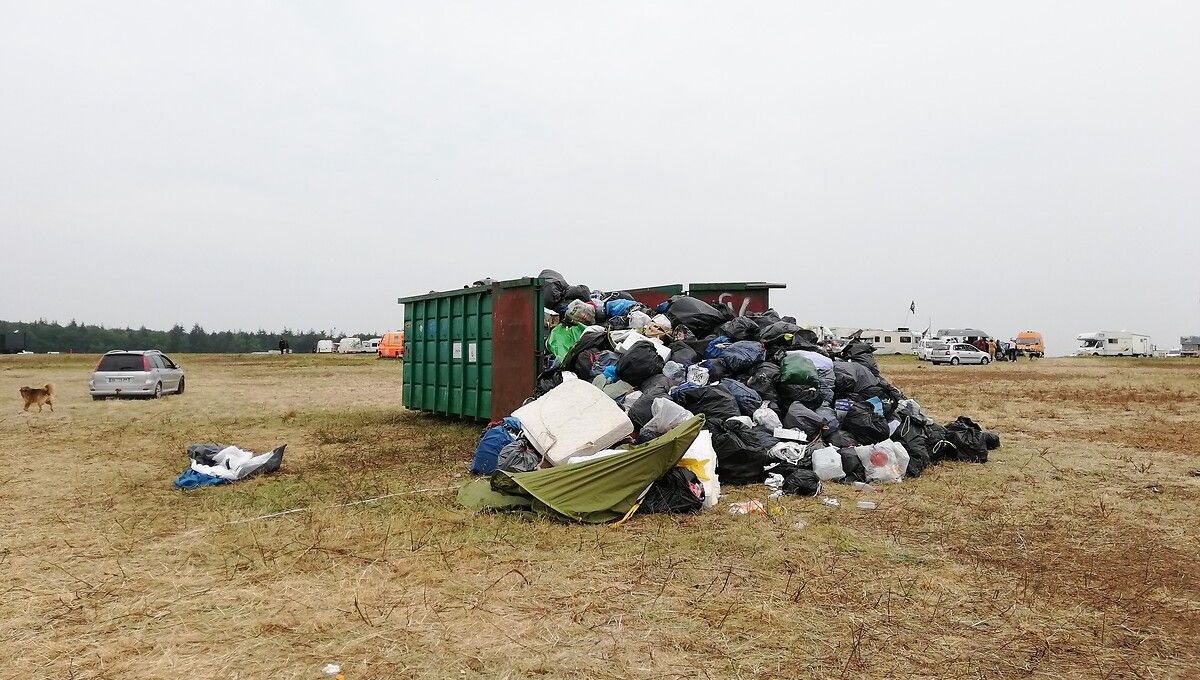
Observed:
{"x":1030,"y":343}
{"x":392,"y":345}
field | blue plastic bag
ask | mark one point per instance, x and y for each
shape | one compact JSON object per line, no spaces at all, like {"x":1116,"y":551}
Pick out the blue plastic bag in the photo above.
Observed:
{"x":715,"y":347}
{"x":494,"y":439}
{"x":618,"y":307}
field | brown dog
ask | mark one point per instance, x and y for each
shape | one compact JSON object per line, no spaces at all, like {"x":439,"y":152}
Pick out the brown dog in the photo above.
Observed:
{"x":39,"y":396}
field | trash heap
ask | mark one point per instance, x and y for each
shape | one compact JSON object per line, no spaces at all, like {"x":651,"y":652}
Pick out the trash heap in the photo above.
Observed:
{"x":653,"y":410}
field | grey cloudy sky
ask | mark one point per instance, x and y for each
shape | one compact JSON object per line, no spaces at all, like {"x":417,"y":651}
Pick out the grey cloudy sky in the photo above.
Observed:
{"x":249,"y":164}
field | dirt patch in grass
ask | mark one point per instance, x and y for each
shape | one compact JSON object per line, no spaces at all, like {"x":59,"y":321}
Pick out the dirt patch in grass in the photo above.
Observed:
{"x":1070,"y":554}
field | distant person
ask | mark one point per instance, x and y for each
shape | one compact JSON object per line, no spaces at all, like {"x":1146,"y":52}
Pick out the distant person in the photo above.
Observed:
{"x":283,"y":345}
{"x":1012,"y":350}
{"x":991,"y":348}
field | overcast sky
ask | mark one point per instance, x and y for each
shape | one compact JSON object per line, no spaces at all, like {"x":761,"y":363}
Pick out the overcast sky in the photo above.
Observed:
{"x":248,"y":164}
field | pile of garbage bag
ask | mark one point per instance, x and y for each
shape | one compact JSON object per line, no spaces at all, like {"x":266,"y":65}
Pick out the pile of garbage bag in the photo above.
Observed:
{"x":651,"y":410}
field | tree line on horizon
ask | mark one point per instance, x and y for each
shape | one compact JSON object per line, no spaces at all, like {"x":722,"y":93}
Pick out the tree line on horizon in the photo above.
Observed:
{"x":45,"y":336}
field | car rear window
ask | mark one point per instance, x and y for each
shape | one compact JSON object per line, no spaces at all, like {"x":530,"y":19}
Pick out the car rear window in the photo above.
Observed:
{"x":120,"y":362}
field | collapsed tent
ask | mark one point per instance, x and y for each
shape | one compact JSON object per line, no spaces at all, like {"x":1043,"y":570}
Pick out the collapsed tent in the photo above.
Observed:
{"x":213,"y":464}
{"x":596,"y":491}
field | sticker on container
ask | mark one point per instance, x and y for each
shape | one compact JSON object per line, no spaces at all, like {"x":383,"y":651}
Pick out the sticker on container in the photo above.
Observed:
{"x":456,"y":350}
{"x":472,"y":353}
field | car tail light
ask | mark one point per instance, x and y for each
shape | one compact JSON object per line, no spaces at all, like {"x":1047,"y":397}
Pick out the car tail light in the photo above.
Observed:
{"x":146,"y":363}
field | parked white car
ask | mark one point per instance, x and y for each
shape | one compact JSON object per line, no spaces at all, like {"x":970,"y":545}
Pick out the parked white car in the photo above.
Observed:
{"x":925,"y":348}
{"x":959,"y":353}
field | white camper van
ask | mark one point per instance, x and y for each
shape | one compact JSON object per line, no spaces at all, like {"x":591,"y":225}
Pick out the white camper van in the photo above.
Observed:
{"x":898,"y":341}
{"x":324,"y":346}
{"x":1114,"y":344}
{"x":350,"y":346}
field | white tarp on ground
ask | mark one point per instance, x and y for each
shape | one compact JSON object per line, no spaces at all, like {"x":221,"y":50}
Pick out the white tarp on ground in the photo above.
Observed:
{"x":575,"y":418}
{"x":232,"y":463}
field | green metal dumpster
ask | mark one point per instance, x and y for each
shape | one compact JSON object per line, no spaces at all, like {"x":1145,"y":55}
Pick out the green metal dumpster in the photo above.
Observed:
{"x":473,"y":352}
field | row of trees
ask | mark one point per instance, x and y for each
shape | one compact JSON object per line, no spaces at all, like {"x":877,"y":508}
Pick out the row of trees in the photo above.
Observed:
{"x":45,"y":336}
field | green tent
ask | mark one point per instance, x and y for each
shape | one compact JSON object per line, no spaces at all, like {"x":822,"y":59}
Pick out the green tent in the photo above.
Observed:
{"x":595,"y":491}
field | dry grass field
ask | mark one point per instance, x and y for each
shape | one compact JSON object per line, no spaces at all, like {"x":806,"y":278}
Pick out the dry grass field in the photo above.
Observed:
{"x":1074,"y":553}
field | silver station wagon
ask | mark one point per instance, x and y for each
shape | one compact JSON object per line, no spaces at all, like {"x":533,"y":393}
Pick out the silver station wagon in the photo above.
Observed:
{"x":135,"y":373}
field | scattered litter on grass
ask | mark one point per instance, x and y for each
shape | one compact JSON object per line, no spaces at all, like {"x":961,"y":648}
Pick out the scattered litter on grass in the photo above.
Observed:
{"x":866,"y":505}
{"x":831,"y":502}
{"x":747,"y":508}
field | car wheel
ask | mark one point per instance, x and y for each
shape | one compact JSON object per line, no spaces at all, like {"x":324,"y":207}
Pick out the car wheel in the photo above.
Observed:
{"x":157,"y":391}
{"x":954,"y":361}
{"x":985,"y":361}
{"x":179,"y":390}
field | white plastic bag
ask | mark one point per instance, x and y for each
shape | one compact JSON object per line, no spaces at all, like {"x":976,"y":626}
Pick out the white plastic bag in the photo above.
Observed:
{"x":827,"y":463}
{"x":744,"y":420}
{"x":634,"y":338}
{"x":662,"y":320}
{"x":886,"y":461}
{"x":788,"y":452}
{"x":665,"y":415}
{"x":701,"y":459}
{"x":766,"y":418}
{"x":638,"y":319}
{"x":697,"y":375}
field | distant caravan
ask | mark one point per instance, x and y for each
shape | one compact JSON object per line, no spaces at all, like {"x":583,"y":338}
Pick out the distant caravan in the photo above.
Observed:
{"x":1113,"y":344}
{"x":898,"y":341}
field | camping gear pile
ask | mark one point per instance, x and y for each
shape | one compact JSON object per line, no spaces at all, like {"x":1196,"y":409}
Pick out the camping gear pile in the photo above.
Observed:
{"x":652,"y":410}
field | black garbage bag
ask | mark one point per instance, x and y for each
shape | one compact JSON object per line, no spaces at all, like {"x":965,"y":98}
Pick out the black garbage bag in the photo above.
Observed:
{"x":992,"y":440}
{"x":861,"y":353}
{"x":742,"y":452}
{"x":802,"y":483}
{"x":519,"y":456}
{"x":852,"y":466}
{"x":747,"y":399}
{"x":805,"y":338}
{"x":968,"y":439}
{"x":853,"y":378}
{"x":584,"y":362}
{"x":679,"y":491}
{"x":740,"y":328}
{"x":640,"y":413}
{"x":683,"y":354}
{"x":743,"y":355}
{"x":790,"y":394}
{"x":764,"y":319}
{"x":778,"y":333}
{"x":714,"y":401}
{"x":554,"y":288}
{"x":800,"y":417}
{"x":577,"y":293}
{"x":658,"y":380}
{"x":839,"y":439}
{"x":762,"y":379}
{"x":940,"y":447}
{"x":912,"y":435}
{"x":699,"y":316}
{"x":864,"y":425}
{"x":617,"y":323}
{"x":639,"y":363}
{"x":547,"y":381}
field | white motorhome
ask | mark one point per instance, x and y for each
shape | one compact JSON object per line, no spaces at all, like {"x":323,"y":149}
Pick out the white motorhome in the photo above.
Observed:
{"x":885,"y":341}
{"x":350,"y":346}
{"x":324,"y":346}
{"x":371,"y":346}
{"x":1113,"y":344}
